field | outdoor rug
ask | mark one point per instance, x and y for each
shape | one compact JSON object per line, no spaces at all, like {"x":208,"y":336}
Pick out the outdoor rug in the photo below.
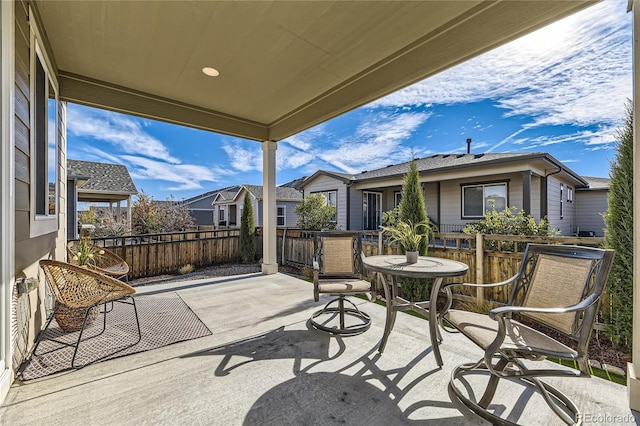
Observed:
{"x":164,"y":319}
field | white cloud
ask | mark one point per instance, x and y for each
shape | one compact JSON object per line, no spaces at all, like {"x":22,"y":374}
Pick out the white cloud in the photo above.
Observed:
{"x":185,"y":176}
{"x":576,"y":71}
{"x":119,"y":130}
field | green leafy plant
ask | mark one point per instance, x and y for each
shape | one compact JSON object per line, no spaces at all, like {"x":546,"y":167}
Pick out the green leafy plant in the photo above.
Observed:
{"x":315,"y":214}
{"x":510,"y":221}
{"x":408,"y":234}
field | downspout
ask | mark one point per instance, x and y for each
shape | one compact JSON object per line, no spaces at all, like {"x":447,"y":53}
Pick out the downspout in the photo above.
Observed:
{"x":348,"y":206}
{"x":544,"y":205}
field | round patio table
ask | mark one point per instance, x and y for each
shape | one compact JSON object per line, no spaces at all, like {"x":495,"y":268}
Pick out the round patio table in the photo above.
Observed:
{"x":395,"y":266}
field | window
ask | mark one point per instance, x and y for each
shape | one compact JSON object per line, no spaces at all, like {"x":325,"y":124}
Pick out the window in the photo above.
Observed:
{"x":479,"y":199}
{"x":44,"y":136}
{"x":397,"y":197}
{"x":221,"y":216}
{"x":569,"y":194}
{"x":371,"y":210}
{"x":561,"y":200}
{"x":280,"y":216}
{"x":332,"y":200}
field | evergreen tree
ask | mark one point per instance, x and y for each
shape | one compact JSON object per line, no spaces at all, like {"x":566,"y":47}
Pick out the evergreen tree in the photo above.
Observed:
{"x":247,"y":232}
{"x":412,"y":209}
{"x":412,"y":206}
{"x":619,"y":236}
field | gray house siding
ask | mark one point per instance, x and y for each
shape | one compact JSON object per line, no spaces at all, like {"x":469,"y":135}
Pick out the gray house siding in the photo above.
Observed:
{"x":327,"y":183}
{"x":202,"y":217}
{"x":565,"y":223}
{"x":590,"y":206}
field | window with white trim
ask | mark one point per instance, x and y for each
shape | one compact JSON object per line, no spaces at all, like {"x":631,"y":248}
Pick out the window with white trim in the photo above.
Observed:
{"x":281,"y":215}
{"x":569,"y":194}
{"x":482,"y":198}
{"x":332,"y":200}
{"x":397,"y":197}
{"x":44,"y":135}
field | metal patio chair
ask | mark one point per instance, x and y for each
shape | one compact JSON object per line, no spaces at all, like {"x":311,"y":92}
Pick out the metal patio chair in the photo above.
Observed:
{"x":77,"y":287}
{"x":337,"y":270}
{"x":558,"y":288}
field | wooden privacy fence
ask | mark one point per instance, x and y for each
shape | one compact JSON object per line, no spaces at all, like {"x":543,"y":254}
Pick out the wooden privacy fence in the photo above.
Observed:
{"x":157,"y":254}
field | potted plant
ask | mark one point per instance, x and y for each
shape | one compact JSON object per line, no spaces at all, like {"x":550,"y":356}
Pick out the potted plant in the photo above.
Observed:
{"x":409,"y":235}
{"x":71,"y":319}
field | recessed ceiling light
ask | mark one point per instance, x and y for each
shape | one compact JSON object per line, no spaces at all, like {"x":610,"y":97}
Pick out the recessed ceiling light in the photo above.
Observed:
{"x":210,"y":71}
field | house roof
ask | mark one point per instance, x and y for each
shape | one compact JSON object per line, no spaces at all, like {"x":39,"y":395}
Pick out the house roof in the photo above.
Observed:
{"x":283,"y":193}
{"x":596,"y":183}
{"x":284,"y":66}
{"x":444,"y":162}
{"x":294,"y":183}
{"x":103,"y":177}
{"x":206,"y":194}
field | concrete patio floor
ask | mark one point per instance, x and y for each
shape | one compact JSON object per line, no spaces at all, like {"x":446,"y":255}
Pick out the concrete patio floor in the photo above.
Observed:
{"x":264,"y":366}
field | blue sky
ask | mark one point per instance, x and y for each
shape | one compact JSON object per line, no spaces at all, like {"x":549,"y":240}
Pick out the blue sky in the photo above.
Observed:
{"x":560,"y":90}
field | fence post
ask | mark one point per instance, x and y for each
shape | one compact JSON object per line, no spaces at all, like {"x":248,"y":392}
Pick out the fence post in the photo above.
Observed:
{"x":380,"y":242}
{"x":479,"y":267}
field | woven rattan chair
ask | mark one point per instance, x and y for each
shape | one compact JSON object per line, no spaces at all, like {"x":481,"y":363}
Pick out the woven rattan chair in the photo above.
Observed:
{"x":107,"y":263}
{"x":558,"y":288}
{"x":81,"y":288}
{"x":337,"y":271}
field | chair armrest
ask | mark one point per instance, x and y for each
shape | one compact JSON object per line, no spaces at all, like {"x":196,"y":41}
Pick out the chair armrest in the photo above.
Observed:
{"x":501,"y":283}
{"x":583,"y":304}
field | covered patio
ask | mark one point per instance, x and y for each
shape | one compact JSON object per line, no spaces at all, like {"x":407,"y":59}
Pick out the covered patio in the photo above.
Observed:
{"x":262,"y":364}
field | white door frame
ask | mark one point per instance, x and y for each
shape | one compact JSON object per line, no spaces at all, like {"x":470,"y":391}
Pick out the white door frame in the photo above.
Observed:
{"x":7,"y":204}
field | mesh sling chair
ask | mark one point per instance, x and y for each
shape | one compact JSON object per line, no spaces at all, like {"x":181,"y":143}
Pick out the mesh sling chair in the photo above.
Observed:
{"x":558,"y":288}
{"x":337,"y":270}
{"x":107,"y":263}
{"x":77,"y":287}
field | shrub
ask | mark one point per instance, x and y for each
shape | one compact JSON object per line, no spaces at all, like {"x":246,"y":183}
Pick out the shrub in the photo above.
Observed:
{"x":315,"y":214}
{"x":186,"y":269}
{"x":510,"y":221}
{"x":412,"y":209}
{"x":618,"y":235}
{"x":247,"y":232}
{"x":151,"y":217}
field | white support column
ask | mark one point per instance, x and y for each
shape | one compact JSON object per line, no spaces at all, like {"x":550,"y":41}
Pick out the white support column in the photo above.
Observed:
{"x":269,"y":239}
{"x":633,"y":370}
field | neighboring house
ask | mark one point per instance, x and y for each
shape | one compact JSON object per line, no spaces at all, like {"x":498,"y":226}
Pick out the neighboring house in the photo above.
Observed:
{"x":458,"y":189}
{"x":201,"y":207}
{"x":591,"y":203}
{"x":228,"y":205}
{"x":91,"y":182}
